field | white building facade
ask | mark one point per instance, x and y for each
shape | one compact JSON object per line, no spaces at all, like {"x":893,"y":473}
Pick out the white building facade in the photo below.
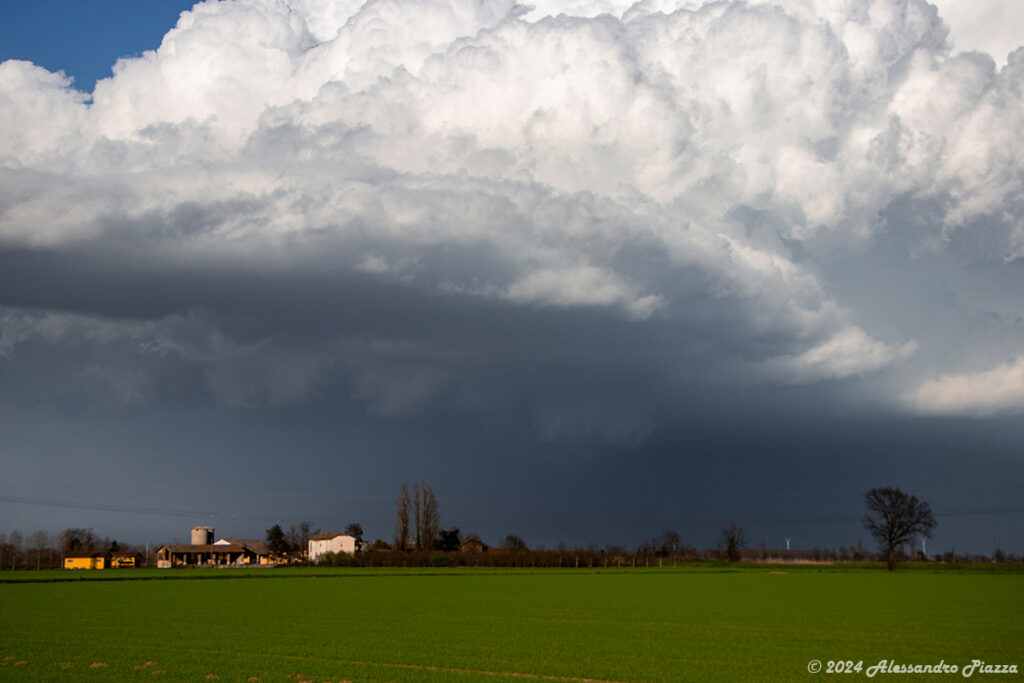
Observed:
{"x":321,"y":544}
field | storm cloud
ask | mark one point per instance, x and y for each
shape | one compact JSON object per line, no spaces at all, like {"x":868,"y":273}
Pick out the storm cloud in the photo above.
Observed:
{"x":569,"y":220}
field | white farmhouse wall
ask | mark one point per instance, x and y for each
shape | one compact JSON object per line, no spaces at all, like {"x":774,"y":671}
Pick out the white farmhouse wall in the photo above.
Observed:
{"x":335,"y":544}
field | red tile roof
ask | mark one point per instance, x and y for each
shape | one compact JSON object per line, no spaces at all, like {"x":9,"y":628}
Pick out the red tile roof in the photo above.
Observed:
{"x":327,"y":536}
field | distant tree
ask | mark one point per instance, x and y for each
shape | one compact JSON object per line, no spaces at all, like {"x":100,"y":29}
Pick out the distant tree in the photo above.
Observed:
{"x":291,"y":537}
{"x":514,"y":543}
{"x":39,"y":540}
{"x":894,"y":517}
{"x":669,"y":543}
{"x":298,"y":537}
{"x":651,"y":546}
{"x":355,"y":530}
{"x":14,"y":543}
{"x":306,"y":532}
{"x":73,"y":540}
{"x":402,"y":524}
{"x":733,"y":540}
{"x":450,"y":540}
{"x":417,"y":509}
{"x":277,"y":544}
{"x":426,"y":522}
{"x":430,"y":519}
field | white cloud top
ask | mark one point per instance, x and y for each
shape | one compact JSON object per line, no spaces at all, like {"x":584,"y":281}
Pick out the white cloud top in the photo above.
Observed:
{"x":999,"y":390}
{"x":597,"y":155}
{"x":849,"y":352}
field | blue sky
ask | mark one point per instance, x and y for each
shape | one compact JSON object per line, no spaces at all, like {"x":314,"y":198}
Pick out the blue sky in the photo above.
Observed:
{"x":592,"y":271}
{"x":84,"y":38}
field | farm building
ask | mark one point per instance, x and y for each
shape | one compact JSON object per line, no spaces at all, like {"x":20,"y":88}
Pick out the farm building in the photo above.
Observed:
{"x":123,"y":560}
{"x":202,"y":552}
{"x":229,"y":552}
{"x":85,"y":561}
{"x":100,"y":560}
{"x":474,"y":545}
{"x":321,"y":544}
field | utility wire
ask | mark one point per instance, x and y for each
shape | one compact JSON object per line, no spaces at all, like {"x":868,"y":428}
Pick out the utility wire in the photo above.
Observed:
{"x":489,"y":499}
{"x":500,"y":524}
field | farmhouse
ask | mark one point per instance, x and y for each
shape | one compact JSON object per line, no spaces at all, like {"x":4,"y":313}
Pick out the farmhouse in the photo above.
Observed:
{"x":321,"y":544}
{"x":474,"y":545}
{"x":201,"y":552}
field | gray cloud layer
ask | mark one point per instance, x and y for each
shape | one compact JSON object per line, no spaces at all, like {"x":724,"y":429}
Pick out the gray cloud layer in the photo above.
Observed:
{"x":466,"y":206}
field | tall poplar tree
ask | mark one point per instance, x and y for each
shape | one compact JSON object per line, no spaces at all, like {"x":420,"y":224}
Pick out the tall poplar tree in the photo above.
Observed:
{"x":402,"y":525}
{"x":431,"y":519}
{"x":417,"y":510}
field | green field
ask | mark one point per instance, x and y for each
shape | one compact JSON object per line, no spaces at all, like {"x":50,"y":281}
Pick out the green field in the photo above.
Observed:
{"x":695,"y":623}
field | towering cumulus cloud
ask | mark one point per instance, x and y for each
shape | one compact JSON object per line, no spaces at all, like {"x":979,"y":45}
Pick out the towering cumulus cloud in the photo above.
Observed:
{"x":821,"y":190}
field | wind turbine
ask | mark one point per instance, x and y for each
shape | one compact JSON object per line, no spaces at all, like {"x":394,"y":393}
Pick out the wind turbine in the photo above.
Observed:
{"x":787,"y":542}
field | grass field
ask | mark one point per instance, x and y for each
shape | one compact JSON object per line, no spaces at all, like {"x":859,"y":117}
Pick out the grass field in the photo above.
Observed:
{"x":705,"y":623}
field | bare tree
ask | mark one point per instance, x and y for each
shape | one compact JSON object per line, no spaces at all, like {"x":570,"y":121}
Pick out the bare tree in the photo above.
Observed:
{"x":14,"y":541}
{"x":431,"y":519}
{"x":514,"y":543}
{"x":306,"y":531}
{"x":77,"y":541}
{"x":39,"y":540}
{"x":416,"y":509}
{"x":894,"y":517}
{"x":669,"y":543}
{"x":402,"y":525}
{"x":733,"y":540}
{"x":298,"y":538}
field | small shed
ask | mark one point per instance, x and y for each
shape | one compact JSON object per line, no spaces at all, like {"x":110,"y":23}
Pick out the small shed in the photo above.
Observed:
{"x":124,"y":560}
{"x":85,"y":561}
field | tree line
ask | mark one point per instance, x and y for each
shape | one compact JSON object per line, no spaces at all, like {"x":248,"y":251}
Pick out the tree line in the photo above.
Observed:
{"x":894,"y":519}
{"x":45,"y":550}
{"x":291,"y":543}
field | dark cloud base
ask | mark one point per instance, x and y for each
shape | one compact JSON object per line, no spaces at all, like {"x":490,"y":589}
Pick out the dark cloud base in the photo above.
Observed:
{"x":777,"y":477}
{"x":555,"y":425}
{"x":590,"y":276}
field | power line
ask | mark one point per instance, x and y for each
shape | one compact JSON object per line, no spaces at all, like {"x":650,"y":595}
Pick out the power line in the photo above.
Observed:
{"x":493,"y":524}
{"x":136,"y":509}
{"x":486,"y":498}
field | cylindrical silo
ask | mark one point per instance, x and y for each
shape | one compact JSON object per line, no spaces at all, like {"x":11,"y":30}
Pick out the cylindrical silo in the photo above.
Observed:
{"x":202,"y":535}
